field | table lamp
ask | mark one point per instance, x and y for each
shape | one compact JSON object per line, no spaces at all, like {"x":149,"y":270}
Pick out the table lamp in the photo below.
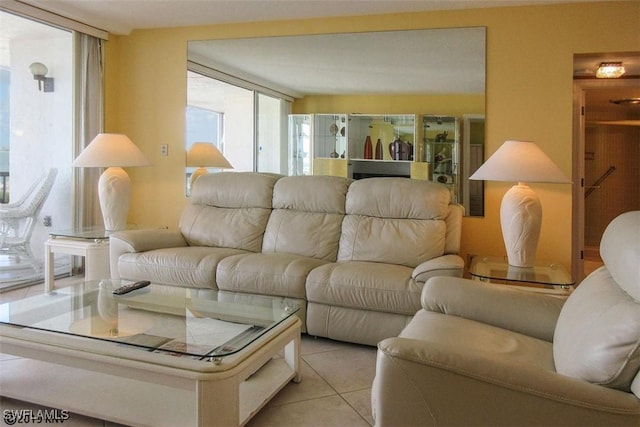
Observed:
{"x":520,"y":211}
{"x":112,"y":151}
{"x":203,"y":155}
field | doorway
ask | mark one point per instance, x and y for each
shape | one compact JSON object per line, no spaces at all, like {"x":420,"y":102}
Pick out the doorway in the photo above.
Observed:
{"x":606,"y":161}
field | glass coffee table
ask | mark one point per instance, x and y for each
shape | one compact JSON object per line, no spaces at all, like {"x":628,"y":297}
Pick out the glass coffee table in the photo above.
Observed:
{"x":159,"y":355}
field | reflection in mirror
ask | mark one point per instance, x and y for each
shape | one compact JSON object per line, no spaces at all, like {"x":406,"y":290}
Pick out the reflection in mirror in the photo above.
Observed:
{"x":439,"y":71}
{"x":473,"y":151}
{"x":209,"y":118}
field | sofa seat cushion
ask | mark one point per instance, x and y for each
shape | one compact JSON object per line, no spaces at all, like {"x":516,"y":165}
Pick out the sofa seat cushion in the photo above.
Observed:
{"x":191,"y":266}
{"x":365,"y":285}
{"x":276,"y":274}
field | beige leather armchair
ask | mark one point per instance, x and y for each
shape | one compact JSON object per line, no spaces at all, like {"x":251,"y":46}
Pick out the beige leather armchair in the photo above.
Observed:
{"x":482,"y":354}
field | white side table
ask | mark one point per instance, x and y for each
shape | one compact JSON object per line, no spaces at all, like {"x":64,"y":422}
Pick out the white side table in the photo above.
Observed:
{"x":91,"y":243}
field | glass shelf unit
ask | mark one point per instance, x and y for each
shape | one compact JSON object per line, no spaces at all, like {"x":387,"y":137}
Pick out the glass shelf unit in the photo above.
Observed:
{"x":441,"y":140}
{"x":382,"y":137}
{"x":330,"y":135}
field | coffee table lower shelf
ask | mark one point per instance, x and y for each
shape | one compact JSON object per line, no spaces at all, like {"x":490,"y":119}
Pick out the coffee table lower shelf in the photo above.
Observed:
{"x":144,"y":394}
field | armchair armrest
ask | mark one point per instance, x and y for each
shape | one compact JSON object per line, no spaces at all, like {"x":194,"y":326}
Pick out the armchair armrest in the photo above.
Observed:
{"x":441,"y":383}
{"x":446,"y":265}
{"x":141,"y":241}
{"x":520,"y":311}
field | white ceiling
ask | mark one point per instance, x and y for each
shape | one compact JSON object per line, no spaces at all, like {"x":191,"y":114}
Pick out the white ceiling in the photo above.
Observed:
{"x":436,"y":61}
{"x":123,"y":16}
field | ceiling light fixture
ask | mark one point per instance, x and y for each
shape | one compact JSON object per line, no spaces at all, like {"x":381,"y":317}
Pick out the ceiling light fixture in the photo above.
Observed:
{"x":610,"y":70}
{"x":625,"y":101}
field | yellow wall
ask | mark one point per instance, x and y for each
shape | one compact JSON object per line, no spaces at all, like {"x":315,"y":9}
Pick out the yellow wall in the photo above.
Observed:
{"x":529,"y":96}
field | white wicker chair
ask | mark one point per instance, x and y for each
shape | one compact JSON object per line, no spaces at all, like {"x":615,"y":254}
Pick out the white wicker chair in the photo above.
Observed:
{"x":18,"y":219}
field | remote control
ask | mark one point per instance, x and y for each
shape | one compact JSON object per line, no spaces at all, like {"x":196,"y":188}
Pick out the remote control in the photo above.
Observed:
{"x":131,"y":287}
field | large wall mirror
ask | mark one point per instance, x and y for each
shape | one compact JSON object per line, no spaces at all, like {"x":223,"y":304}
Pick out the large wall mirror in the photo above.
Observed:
{"x":240,"y":91}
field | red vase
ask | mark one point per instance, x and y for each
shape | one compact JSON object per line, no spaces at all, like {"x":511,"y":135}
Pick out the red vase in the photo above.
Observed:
{"x":368,"y":148}
{"x":378,"y":150}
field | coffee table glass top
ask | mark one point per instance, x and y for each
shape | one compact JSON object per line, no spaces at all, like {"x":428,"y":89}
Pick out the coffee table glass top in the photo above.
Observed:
{"x":196,"y":323}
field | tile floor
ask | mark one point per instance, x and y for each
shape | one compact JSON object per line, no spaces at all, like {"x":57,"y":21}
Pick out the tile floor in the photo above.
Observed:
{"x":335,"y":389}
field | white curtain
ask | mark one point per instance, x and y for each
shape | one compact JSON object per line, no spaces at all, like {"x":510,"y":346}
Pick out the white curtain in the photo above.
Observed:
{"x":89,"y":122}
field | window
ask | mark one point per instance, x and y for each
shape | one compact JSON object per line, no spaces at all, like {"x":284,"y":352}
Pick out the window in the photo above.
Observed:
{"x":247,"y":126}
{"x":272,"y":135}
{"x":44,"y":123}
{"x":36,"y":134}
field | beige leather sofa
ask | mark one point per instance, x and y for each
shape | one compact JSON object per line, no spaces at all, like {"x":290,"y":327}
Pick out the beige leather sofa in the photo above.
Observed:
{"x":482,"y":354}
{"x":353,"y":254}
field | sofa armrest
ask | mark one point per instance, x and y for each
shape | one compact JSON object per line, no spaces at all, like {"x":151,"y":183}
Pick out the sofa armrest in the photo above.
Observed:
{"x":446,"y":265}
{"x":419,"y":382}
{"x":520,"y":311}
{"x":141,"y":241}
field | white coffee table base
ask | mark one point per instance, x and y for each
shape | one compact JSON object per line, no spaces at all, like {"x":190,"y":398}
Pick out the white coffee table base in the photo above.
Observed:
{"x":135,"y":392}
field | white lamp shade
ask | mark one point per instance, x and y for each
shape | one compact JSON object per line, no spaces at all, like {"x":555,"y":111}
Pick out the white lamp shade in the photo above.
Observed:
{"x":205,"y":154}
{"x":111,"y":149}
{"x":114,"y":188}
{"x":520,"y":161}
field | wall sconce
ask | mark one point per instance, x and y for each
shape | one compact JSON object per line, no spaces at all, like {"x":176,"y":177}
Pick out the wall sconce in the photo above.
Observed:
{"x":610,"y":70}
{"x":39,"y":71}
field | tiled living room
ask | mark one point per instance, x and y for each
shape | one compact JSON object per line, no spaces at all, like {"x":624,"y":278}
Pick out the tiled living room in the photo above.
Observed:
{"x":346,"y":248}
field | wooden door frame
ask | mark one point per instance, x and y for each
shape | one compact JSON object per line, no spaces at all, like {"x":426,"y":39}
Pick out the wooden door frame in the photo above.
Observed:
{"x":578,"y":168}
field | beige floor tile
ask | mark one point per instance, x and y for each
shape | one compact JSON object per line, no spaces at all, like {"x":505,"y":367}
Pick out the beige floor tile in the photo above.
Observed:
{"x":4,"y":356}
{"x":312,"y":386}
{"x":361,"y":401}
{"x":13,"y":295}
{"x":311,"y":345}
{"x":324,"y":412}
{"x":35,"y":290}
{"x":350,"y":369}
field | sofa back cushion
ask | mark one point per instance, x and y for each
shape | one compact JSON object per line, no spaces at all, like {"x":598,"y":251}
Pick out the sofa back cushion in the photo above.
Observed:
{"x":307,"y":216}
{"x":394,"y":220}
{"x":229,"y":209}
{"x":597,"y":337}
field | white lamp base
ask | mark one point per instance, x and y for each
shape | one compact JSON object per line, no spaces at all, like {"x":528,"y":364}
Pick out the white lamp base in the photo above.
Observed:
{"x":521,"y":219}
{"x":114,"y":190}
